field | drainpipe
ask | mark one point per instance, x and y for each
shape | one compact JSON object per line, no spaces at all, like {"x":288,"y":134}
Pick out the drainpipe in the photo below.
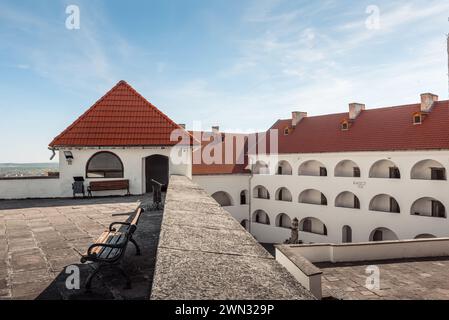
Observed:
{"x":54,"y":153}
{"x":250,"y":197}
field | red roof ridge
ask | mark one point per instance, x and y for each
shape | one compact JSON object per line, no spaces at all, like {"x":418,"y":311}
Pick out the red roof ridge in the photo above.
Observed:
{"x":411,"y":105}
{"x":129,"y":87}
{"x":148,"y":102}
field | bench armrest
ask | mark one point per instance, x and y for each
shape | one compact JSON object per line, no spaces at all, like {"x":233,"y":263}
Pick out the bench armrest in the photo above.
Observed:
{"x":111,"y":226}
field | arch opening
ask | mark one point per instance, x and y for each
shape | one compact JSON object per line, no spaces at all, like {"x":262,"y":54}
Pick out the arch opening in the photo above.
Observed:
{"x":428,"y":170}
{"x":348,"y":200}
{"x":347,"y":168}
{"x":244,"y":197}
{"x":384,"y":203}
{"x":260,"y":192}
{"x":283,"y":221}
{"x":383,"y":234}
{"x":312,"y":196}
{"x":313,"y":225}
{"x":346,"y":234}
{"x":284,"y":168}
{"x":384,"y":169}
{"x":260,"y":216}
{"x":104,"y":164}
{"x":223,"y":198}
{"x":283,"y":194}
{"x":156,"y":168}
{"x":428,"y":207}
{"x":261,"y":168}
{"x":312,"y":168}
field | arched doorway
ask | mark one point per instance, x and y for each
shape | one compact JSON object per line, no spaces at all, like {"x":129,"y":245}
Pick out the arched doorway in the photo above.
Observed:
{"x":347,"y":234}
{"x":156,"y":168}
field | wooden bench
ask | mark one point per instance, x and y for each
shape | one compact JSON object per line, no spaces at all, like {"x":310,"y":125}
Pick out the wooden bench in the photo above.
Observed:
{"x":108,"y":185}
{"x":109,"y":249}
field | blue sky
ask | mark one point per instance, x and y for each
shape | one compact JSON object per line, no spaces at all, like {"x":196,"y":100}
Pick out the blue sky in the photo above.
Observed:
{"x":239,"y":64}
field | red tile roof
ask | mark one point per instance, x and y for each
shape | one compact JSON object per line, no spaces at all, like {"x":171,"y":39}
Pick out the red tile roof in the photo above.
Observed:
{"x":384,"y":129}
{"x":122,"y":117}
{"x":238,"y":150}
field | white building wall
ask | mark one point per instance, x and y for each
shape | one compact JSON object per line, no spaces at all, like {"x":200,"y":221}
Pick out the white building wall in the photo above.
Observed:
{"x":231,"y":184}
{"x":133,"y":160}
{"x":405,"y":190}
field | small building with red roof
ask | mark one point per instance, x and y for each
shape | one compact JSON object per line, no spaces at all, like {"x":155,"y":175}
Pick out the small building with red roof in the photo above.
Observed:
{"x":122,"y":137}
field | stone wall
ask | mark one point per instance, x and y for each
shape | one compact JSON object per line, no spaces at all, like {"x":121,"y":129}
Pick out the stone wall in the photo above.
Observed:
{"x":204,"y":253}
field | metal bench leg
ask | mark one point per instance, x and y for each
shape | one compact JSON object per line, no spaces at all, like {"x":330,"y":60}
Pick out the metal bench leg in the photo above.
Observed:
{"x":90,"y":278}
{"x":128,"y":280}
{"x":138,"y":253}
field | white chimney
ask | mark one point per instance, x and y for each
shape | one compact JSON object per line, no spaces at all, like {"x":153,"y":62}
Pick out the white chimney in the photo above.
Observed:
{"x":427,"y":101}
{"x":215,"y":129}
{"x":355,"y":109}
{"x":297,"y":116}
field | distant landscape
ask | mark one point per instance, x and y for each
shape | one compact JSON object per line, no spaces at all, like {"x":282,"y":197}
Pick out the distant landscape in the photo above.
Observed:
{"x":27,"y":169}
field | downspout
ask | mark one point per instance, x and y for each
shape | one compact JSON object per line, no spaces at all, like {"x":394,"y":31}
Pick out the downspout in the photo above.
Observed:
{"x":250,"y":198}
{"x":54,"y":153}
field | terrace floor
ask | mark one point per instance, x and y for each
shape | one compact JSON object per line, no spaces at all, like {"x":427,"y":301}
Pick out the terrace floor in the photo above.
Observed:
{"x":40,"y":238}
{"x":406,"y":279}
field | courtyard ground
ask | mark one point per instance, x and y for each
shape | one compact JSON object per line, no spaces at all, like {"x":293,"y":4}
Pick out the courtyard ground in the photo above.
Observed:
{"x":40,"y":238}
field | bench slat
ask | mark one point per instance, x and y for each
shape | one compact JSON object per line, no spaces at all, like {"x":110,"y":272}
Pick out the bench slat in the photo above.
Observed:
{"x":113,"y":239}
{"x":101,"y":239}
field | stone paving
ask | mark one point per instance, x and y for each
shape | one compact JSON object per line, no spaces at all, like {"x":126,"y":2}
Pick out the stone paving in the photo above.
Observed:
{"x":416,"y":279}
{"x":39,"y":238}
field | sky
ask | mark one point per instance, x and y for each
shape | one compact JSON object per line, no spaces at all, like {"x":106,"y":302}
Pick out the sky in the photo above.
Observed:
{"x":237,"y":64}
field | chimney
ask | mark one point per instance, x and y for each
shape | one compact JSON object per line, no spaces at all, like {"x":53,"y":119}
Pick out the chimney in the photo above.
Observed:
{"x":355,"y":109}
{"x":427,"y":101}
{"x":297,"y":116}
{"x":215,"y":129}
{"x":182,"y":125}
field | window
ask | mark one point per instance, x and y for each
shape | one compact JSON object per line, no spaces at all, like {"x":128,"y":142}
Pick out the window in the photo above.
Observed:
{"x":286,"y":131}
{"x":417,"y":119}
{"x":438,"y":209}
{"x":279,"y":170}
{"x":323,"y":172}
{"x":438,"y":174}
{"x":281,"y":194}
{"x":104,"y":165}
{"x":344,"y":126}
{"x":356,"y":203}
{"x":243,"y":197}
{"x":395,"y":173}
{"x":394,"y":206}
{"x":356,"y":172}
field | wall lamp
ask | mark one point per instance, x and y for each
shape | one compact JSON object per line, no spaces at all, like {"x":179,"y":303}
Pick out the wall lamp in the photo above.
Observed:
{"x":68,"y":156}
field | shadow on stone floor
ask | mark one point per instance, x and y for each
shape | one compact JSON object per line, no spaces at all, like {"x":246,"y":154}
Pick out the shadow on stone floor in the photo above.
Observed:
{"x":63,"y":202}
{"x":109,"y":284}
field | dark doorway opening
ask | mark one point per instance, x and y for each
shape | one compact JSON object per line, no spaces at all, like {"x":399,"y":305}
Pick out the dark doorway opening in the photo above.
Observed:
{"x":156,"y":168}
{"x":378,"y":235}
